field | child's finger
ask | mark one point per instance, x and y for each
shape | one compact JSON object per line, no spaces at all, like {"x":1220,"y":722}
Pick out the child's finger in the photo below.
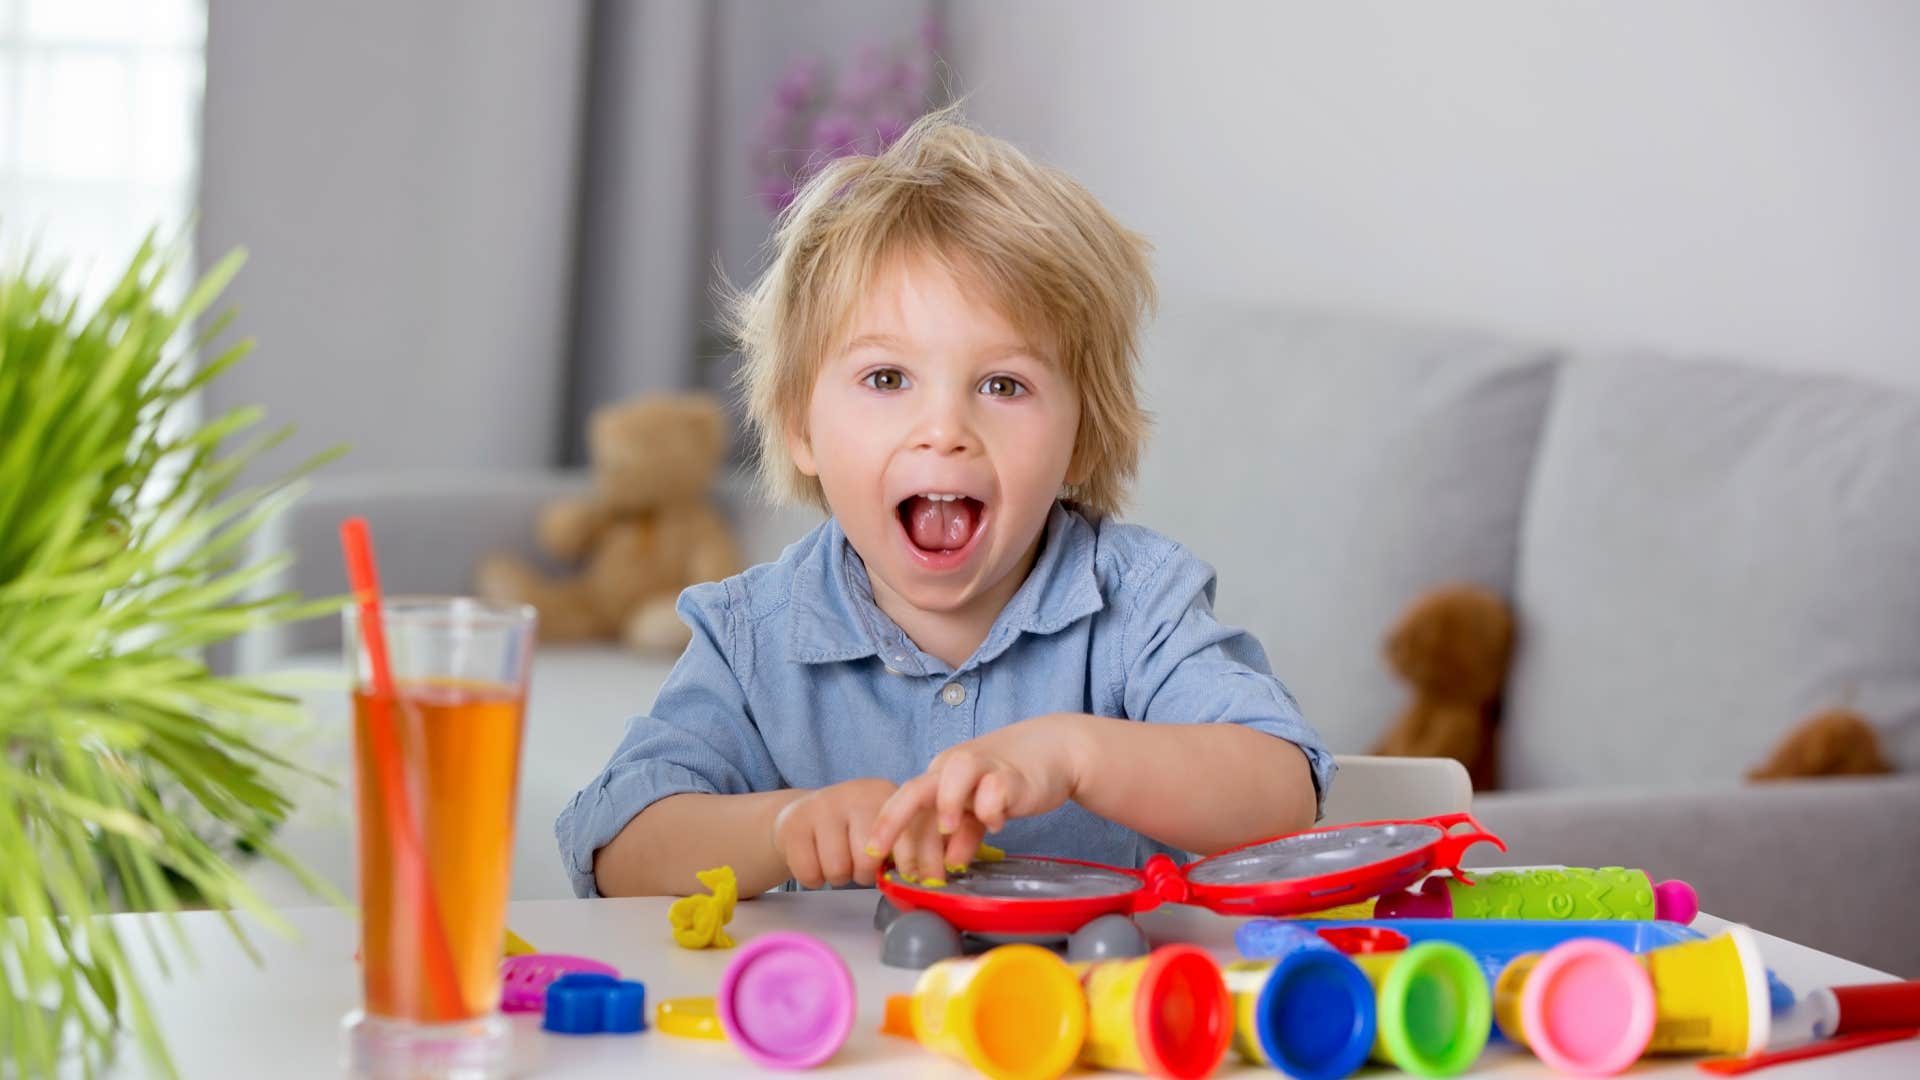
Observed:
{"x":957,"y":777}
{"x":836,"y":858}
{"x":964,"y":844}
{"x":990,"y":801}
{"x":891,"y":822}
{"x":928,"y":849}
{"x":905,"y":863}
{"x":866,"y":868}
{"x":803,"y":862}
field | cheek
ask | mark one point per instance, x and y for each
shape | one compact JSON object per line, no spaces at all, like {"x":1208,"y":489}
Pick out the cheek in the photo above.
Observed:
{"x":1059,"y":434}
{"x":845,"y":436}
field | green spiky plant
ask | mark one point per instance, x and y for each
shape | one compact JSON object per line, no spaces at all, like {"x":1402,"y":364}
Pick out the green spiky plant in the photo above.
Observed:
{"x":130,"y":774}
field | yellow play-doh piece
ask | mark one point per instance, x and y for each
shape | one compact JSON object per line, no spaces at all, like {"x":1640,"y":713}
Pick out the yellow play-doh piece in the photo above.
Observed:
{"x":689,"y":1018}
{"x":699,"y":922}
{"x":987,"y":853}
{"x":517,"y":945}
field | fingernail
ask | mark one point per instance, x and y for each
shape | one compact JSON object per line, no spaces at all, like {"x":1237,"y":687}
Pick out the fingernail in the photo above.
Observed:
{"x":946,"y":828}
{"x":873,"y":851}
{"x":953,"y":869}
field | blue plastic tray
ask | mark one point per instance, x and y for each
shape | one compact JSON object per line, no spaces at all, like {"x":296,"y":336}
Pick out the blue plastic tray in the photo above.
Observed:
{"x":1495,"y":942}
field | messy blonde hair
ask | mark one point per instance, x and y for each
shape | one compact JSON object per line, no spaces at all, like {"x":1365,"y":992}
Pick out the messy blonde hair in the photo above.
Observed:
{"x":1047,"y":255}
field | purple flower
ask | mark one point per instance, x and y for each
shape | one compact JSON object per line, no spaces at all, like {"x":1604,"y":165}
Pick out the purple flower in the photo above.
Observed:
{"x":833,"y":131}
{"x":814,"y":118}
{"x":797,"y":86}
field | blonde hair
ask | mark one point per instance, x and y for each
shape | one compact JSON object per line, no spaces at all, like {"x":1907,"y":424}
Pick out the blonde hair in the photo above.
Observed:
{"x":1052,"y":260}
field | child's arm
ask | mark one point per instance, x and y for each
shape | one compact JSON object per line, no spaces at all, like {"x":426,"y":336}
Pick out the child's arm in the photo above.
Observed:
{"x":660,"y":850}
{"x":693,"y":786}
{"x":690,"y":787}
{"x":1196,"y":787}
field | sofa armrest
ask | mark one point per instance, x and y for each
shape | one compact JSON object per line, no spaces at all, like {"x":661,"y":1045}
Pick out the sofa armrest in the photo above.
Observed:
{"x":1828,"y":863}
{"x":431,"y":528}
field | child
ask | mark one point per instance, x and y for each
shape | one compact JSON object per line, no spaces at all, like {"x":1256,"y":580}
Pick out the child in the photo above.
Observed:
{"x":942,"y":354}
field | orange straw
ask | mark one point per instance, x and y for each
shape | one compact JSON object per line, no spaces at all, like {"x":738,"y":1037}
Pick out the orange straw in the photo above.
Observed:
{"x":412,"y":873}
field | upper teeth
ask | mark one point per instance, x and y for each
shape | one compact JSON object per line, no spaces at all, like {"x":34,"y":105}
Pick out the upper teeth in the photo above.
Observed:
{"x":938,"y":497}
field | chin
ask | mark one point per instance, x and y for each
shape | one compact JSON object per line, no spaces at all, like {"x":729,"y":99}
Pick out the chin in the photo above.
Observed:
{"x":941,"y":597}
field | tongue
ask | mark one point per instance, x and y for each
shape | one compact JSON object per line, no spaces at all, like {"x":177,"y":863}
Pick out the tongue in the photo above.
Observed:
{"x":941,"y":526}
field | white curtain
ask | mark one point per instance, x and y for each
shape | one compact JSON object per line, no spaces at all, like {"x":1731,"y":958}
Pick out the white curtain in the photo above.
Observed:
{"x":99,"y":130}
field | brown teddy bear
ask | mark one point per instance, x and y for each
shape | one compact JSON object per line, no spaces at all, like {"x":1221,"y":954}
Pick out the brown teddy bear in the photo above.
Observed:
{"x":1452,"y":646}
{"x":1837,"y":742}
{"x":647,"y":532}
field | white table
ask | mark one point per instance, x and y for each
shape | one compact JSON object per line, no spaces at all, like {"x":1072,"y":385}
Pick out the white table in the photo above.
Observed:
{"x":228,"y":1018}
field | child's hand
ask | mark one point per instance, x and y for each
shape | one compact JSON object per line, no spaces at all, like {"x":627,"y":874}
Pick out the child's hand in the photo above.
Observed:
{"x":823,"y":836}
{"x":1021,"y":770}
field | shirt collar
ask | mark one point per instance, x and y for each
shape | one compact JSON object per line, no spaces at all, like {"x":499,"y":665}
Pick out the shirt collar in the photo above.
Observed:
{"x":836,"y":619}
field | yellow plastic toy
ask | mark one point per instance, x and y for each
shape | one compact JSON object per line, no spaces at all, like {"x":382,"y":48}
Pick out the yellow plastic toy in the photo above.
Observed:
{"x":516,"y":945}
{"x":699,"y":922}
{"x":1016,"y":1012}
{"x":689,"y":1018}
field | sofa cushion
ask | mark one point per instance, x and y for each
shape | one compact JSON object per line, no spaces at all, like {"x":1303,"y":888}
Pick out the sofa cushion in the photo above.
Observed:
{"x":1710,"y":554}
{"x":1331,"y":468}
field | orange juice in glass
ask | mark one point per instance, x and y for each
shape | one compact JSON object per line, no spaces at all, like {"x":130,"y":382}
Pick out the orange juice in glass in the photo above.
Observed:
{"x":430,"y":947}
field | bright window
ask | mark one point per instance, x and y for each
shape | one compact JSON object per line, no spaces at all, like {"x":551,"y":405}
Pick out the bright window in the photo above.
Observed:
{"x":99,"y":128}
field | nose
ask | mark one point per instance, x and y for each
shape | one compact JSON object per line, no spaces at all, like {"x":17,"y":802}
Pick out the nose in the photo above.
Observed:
{"x":944,"y":425}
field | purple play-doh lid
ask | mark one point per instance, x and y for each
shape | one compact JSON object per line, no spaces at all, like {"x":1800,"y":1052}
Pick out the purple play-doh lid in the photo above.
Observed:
{"x":787,"y":1001}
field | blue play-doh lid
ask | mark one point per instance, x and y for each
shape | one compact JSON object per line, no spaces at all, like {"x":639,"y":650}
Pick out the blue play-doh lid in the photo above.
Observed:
{"x":1316,"y":1016}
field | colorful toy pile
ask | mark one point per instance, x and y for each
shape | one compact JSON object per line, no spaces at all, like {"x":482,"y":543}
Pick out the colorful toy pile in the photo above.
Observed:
{"x":1589,"y":985}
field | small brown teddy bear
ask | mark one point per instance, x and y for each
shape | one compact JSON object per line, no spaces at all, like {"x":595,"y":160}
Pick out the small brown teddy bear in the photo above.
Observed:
{"x":1452,"y":646}
{"x":647,"y":532}
{"x":1837,"y":742}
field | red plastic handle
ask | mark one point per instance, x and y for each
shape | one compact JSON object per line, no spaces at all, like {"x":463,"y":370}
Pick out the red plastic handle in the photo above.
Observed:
{"x":1447,"y":853}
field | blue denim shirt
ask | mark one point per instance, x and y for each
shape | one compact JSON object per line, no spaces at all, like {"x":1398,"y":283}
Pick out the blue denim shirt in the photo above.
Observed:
{"x":795,"y":679}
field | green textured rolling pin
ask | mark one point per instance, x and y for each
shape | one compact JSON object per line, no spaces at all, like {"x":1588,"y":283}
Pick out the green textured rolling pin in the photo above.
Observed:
{"x":1610,"y":892}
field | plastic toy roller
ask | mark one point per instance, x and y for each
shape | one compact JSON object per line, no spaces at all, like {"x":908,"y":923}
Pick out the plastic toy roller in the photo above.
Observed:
{"x":1571,"y":893}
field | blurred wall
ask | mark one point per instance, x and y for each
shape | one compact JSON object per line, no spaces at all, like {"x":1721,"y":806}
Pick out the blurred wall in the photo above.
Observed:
{"x":473,"y":221}
{"x":404,"y":176}
{"x":1735,"y":177}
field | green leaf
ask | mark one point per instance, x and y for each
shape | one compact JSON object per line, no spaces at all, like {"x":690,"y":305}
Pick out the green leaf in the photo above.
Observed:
{"x":131,"y":777}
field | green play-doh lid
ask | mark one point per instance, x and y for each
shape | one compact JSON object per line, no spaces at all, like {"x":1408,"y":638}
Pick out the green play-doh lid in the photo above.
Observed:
{"x":1435,"y":1012}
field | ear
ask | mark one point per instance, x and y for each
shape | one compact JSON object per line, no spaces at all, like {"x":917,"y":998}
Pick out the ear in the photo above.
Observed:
{"x":800,"y":449}
{"x":1080,"y":465}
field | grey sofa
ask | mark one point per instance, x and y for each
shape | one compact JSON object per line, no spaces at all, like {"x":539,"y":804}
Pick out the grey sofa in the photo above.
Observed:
{"x":1700,"y":554}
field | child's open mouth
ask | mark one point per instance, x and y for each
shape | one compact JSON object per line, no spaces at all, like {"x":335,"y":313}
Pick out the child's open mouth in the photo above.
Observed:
{"x":941,"y":527}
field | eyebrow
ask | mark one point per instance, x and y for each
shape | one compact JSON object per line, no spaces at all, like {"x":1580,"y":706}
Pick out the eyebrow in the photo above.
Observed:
{"x":883,"y":341}
{"x":996,"y":352}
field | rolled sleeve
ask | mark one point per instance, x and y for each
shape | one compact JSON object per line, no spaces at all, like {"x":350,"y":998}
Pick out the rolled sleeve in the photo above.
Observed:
{"x":699,"y":737}
{"x":1184,"y":666}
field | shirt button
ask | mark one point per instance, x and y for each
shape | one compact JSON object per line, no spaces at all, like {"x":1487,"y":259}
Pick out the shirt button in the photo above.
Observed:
{"x":953,"y":694}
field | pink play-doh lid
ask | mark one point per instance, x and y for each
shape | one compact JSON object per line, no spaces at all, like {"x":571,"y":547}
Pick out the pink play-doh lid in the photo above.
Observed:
{"x":787,"y":1001}
{"x":1588,"y":1008}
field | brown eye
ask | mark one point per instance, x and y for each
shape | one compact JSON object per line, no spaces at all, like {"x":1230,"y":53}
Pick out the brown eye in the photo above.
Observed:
{"x":1002,"y":386}
{"x":886,"y":379}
